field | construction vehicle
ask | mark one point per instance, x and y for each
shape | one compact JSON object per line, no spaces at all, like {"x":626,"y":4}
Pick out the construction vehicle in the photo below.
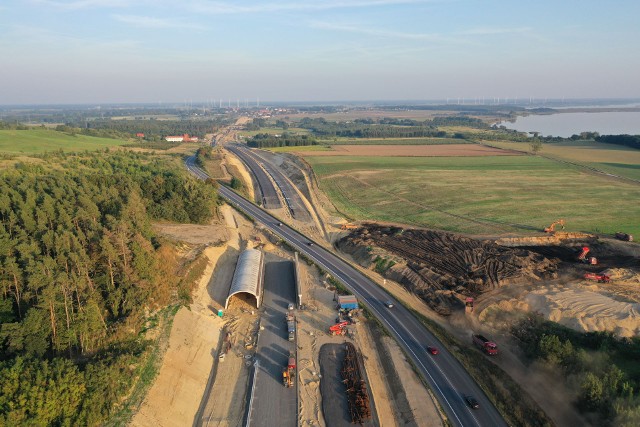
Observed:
{"x":600,"y":278}
{"x":552,"y":227}
{"x":485,"y":345}
{"x":291,"y":325}
{"x":468,"y":305}
{"x":624,"y":236}
{"x":338,"y":328}
{"x":289,"y":373}
{"x":582,"y":257}
{"x":348,"y":227}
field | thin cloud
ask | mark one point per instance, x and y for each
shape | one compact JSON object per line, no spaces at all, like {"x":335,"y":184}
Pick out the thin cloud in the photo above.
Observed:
{"x":493,"y":31}
{"x":230,"y":8}
{"x":378,"y":32}
{"x":153,"y":23}
{"x":84,"y":4}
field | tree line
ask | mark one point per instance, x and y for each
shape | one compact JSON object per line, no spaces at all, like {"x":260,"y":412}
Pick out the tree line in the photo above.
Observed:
{"x":632,"y":141}
{"x":265,"y":140}
{"x":79,"y":268}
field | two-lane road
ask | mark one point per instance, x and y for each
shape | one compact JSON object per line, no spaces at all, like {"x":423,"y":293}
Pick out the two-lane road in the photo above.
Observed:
{"x":447,"y":378}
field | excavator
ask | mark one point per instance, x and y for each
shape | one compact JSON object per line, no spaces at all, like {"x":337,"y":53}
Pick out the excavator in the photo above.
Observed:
{"x":338,"y":328}
{"x":552,"y":227}
{"x":349,"y":227}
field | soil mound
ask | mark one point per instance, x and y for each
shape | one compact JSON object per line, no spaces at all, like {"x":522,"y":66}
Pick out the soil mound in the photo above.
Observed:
{"x":442,"y":267}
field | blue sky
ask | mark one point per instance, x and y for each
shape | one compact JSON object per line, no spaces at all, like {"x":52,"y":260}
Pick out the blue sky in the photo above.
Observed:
{"x":99,"y":51}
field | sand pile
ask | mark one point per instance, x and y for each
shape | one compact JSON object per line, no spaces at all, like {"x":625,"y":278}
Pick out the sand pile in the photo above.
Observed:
{"x":586,"y":310}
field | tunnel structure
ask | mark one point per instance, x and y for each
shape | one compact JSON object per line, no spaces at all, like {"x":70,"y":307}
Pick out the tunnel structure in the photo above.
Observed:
{"x":248,"y":277}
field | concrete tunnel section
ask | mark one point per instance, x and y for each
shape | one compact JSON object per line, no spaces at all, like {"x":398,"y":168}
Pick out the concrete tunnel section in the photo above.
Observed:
{"x":248,"y":277}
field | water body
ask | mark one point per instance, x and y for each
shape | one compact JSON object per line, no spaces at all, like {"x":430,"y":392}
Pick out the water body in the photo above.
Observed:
{"x":567,"y":124}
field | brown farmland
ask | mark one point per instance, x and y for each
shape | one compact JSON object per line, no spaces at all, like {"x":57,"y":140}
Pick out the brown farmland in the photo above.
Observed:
{"x":444,"y":150}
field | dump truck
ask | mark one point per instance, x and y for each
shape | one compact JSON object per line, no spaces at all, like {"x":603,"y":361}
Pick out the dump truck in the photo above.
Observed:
{"x":600,"y":278}
{"x":348,"y":227}
{"x":485,"y":345}
{"x":289,"y":373}
{"x":624,"y":236}
{"x":291,"y":325}
{"x":582,"y":256}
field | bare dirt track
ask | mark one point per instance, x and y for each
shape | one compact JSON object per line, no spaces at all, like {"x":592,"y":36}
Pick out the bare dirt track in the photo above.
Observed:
{"x":444,"y":150}
{"x":442,"y":267}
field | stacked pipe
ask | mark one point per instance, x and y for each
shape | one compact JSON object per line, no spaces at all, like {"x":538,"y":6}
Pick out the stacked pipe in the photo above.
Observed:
{"x":357,"y":394}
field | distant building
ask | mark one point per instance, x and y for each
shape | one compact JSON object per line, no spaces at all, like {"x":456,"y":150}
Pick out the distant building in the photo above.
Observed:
{"x":174,"y":138}
{"x":140,"y":135}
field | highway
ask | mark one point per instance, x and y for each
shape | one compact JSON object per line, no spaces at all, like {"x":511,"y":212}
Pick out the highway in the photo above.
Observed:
{"x":447,"y":378}
{"x":270,"y":199}
{"x":293,"y":199}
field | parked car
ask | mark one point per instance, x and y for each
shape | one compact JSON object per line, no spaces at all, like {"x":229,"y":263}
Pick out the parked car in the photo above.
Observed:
{"x":432,"y":350}
{"x":472,"y":402}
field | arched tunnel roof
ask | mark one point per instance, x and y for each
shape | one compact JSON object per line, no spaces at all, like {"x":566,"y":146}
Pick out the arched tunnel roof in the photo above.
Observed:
{"x":248,"y":276}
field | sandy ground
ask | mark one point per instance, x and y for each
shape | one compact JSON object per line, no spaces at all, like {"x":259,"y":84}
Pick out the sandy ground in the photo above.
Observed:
{"x":585,"y":306}
{"x":177,"y":392}
{"x":242,"y":170}
{"x":458,"y":150}
{"x":193,"y":233}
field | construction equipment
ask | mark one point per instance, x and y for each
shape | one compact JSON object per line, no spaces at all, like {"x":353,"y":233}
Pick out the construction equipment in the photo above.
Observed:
{"x":582,"y":257}
{"x":468,"y":305}
{"x":338,"y":328}
{"x":348,"y":227}
{"x":289,"y":373}
{"x":600,"y":278}
{"x":291,"y":325}
{"x":624,"y":236}
{"x":485,"y":345}
{"x":353,"y":379}
{"x":551,"y":228}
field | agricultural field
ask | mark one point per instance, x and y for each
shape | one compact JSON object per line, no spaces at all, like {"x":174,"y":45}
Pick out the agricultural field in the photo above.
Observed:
{"x":615,"y":159}
{"x":36,"y":141}
{"x":393,"y":141}
{"x":274,"y":131}
{"x":477,"y":195}
{"x":414,"y":150}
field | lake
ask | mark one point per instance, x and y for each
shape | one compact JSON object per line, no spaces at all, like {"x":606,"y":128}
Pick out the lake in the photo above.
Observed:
{"x":567,"y":124}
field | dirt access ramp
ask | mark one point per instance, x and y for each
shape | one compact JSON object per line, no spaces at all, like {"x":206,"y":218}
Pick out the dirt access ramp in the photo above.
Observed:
{"x":443,"y":268}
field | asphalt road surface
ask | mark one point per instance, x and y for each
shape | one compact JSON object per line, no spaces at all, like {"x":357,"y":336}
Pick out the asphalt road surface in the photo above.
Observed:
{"x":273,"y":403}
{"x":294,"y":201}
{"x":447,"y":378}
{"x":270,"y":199}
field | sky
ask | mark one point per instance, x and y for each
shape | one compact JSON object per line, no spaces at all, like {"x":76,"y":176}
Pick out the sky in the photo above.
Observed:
{"x":163,"y":51}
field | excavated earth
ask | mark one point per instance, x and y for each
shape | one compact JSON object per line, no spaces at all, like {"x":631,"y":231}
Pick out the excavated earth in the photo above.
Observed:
{"x":443,"y":268}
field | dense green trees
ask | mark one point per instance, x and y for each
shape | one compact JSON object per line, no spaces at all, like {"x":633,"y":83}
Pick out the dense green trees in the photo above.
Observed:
{"x":285,"y":140}
{"x":79,"y":266}
{"x":593,"y":362}
{"x":632,"y":141}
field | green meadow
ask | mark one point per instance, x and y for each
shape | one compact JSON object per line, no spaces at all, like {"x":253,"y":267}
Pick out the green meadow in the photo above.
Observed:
{"x":38,"y":140}
{"x":478,"y":195}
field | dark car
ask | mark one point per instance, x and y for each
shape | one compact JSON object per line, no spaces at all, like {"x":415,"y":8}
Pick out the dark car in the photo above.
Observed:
{"x":389,"y":304}
{"x":432,"y":350}
{"x":310,"y":243}
{"x":279,"y":224}
{"x":472,"y":402}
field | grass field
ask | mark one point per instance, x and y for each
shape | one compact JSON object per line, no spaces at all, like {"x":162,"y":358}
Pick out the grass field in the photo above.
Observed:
{"x":478,"y":195}
{"x":35,"y":141}
{"x":299,"y":148}
{"x":392,"y":141}
{"x":274,"y":131}
{"x":615,"y":159}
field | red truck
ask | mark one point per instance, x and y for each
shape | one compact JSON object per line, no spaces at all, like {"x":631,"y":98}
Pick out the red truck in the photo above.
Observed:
{"x":485,"y":345}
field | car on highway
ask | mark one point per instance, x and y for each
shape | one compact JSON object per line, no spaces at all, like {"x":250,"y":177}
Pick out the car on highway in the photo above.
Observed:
{"x":472,"y":402}
{"x":279,"y":224}
{"x":433,"y":350}
{"x":388,"y":304}
{"x":310,"y":243}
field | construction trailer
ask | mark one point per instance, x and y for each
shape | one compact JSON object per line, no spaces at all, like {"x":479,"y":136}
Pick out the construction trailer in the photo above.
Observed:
{"x":347,"y":302}
{"x":289,"y":373}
